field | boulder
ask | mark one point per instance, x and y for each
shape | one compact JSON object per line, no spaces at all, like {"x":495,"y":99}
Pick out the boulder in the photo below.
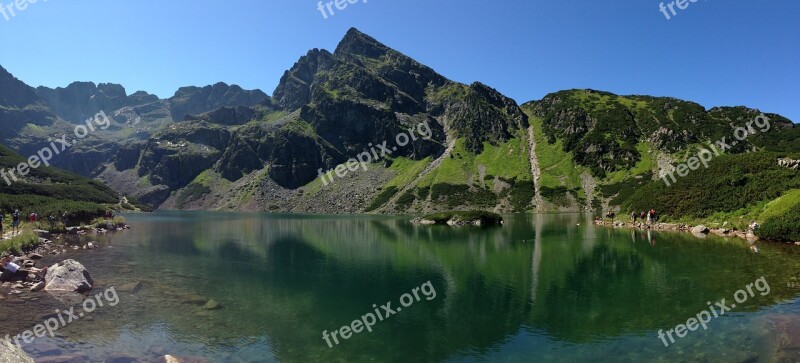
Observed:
{"x":68,"y":275}
{"x":720,"y":231}
{"x":701,"y":229}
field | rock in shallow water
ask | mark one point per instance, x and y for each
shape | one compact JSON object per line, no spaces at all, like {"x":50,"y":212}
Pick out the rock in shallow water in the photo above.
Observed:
{"x":68,"y":275}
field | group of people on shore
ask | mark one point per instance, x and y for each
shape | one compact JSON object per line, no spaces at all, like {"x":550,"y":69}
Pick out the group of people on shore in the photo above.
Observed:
{"x":651,"y":217}
{"x":33,"y":217}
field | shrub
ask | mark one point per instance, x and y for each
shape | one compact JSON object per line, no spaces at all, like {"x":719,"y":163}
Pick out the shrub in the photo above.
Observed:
{"x":782,"y":227}
{"x":731,"y":182}
{"x":382,"y":198}
{"x":521,"y":195}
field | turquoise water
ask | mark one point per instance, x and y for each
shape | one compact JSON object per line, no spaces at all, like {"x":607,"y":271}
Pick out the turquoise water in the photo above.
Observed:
{"x":540,"y":288}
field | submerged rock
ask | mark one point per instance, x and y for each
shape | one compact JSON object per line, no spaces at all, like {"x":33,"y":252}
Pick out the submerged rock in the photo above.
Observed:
{"x":212,"y":305}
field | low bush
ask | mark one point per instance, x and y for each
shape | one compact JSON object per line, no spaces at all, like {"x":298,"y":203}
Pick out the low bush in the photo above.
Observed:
{"x":782,"y":227}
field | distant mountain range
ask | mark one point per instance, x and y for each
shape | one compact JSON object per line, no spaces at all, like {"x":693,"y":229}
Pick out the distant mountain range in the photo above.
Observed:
{"x":222,"y":147}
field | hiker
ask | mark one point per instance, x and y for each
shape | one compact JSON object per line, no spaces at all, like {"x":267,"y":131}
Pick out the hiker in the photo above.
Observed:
{"x":753,"y":226}
{"x":634,"y":216}
{"x":13,"y":272}
{"x":64,"y":218}
{"x":1,"y":225}
{"x":642,"y":216}
{"x":655,"y":217}
{"x":15,"y":221}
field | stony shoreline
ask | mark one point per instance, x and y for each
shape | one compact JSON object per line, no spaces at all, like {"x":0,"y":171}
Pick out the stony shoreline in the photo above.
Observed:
{"x":46,"y":246}
{"x":698,"y":230}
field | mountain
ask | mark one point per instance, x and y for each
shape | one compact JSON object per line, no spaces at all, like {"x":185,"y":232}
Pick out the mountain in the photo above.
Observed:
{"x":34,"y":116}
{"x":428,"y":143}
{"x":573,"y":150}
{"x":80,"y":100}
{"x":21,"y":110}
{"x":328,"y":108}
{"x":596,"y":144}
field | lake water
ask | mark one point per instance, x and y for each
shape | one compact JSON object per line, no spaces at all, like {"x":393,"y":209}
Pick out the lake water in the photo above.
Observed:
{"x":540,"y":288}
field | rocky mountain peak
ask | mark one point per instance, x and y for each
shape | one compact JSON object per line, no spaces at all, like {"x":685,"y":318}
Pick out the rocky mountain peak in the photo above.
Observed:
{"x":356,"y":43}
{"x":13,"y":92}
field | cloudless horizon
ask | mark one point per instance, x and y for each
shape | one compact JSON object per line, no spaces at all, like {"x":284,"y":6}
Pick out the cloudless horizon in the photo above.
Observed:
{"x":716,"y":53}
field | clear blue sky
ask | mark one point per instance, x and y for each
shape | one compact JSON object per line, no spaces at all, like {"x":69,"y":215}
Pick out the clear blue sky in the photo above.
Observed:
{"x":716,"y":52}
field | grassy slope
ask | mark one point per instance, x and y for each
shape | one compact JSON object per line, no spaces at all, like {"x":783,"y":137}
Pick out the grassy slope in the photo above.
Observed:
{"x":508,"y":161}
{"x":47,"y":190}
{"x":558,"y":169}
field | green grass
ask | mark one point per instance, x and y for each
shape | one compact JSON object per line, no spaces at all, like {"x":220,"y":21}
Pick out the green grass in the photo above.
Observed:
{"x":781,"y":205}
{"x":557,"y":165}
{"x":102,"y":222}
{"x":456,"y":169}
{"x":509,"y":160}
{"x":25,"y":240}
{"x":406,"y":170}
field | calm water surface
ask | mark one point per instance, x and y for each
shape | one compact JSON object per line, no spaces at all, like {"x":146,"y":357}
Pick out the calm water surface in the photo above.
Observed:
{"x":541,"y":288}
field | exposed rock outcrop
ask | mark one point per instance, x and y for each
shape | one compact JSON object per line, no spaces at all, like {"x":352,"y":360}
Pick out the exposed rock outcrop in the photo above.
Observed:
{"x":789,"y":163}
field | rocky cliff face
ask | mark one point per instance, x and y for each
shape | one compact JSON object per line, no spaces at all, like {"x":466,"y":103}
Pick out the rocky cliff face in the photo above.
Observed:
{"x":81,"y":100}
{"x":331,"y":107}
{"x":197,"y":100}
{"x":19,"y":107}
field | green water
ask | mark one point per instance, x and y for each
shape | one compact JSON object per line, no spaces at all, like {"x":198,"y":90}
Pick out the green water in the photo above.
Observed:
{"x":540,"y":288}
